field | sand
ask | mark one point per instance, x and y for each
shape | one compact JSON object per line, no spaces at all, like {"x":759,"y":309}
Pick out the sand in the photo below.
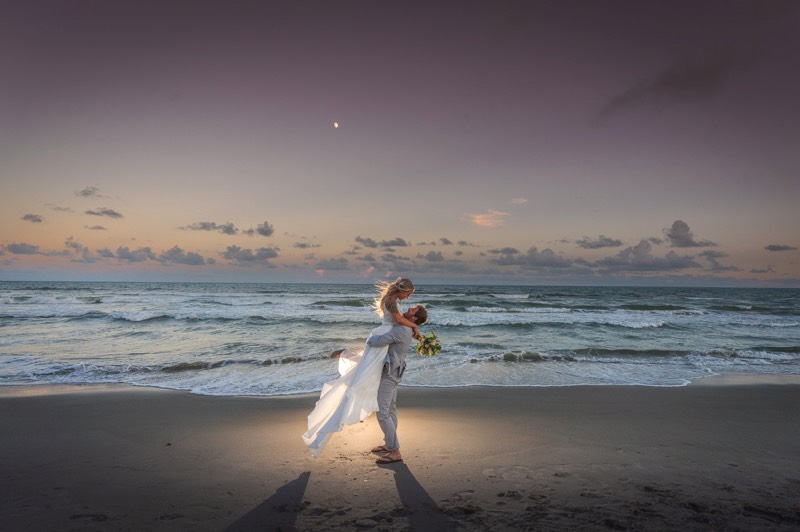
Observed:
{"x":721,"y":455}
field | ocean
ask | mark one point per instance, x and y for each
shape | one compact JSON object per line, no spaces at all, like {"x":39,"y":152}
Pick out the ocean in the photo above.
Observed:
{"x":275,"y":339}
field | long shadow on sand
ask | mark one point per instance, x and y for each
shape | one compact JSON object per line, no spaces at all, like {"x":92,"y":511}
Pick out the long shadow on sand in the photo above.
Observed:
{"x":279,"y":512}
{"x":423,"y":512}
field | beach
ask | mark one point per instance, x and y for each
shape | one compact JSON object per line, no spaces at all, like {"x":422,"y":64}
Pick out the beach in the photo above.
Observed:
{"x":719,"y":454}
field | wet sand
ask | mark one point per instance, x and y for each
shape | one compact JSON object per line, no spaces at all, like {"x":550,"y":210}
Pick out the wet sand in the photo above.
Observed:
{"x":722,"y":454}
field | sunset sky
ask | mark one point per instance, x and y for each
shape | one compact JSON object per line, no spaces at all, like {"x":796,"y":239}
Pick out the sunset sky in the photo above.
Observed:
{"x":561,"y":142}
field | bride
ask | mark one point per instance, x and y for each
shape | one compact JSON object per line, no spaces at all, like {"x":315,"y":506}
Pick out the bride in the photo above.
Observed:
{"x":354,"y":395}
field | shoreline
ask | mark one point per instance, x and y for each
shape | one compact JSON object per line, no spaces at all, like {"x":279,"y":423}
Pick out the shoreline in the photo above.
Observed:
{"x":719,"y":455}
{"x":729,"y":379}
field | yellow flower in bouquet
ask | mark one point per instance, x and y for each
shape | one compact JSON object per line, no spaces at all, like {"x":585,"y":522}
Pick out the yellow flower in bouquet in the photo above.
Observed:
{"x":429,"y":345}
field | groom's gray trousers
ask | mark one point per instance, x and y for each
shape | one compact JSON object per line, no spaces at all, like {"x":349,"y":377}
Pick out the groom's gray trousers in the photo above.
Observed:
{"x":387,"y":405}
{"x":398,"y":339}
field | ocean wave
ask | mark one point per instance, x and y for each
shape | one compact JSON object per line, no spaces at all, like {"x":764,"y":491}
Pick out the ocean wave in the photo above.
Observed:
{"x":650,"y":308}
{"x":231,"y":302}
{"x":779,"y":349}
{"x":73,"y":313}
{"x":531,"y":310}
{"x":601,"y":352}
{"x":543,"y":320}
{"x":342,"y":303}
{"x":485,"y":309}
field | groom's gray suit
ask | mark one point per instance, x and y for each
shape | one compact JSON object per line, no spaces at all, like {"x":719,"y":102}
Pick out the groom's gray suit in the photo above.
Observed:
{"x":398,"y":339}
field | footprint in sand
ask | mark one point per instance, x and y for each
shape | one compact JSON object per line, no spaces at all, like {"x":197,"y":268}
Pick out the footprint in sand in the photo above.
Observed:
{"x":508,"y":473}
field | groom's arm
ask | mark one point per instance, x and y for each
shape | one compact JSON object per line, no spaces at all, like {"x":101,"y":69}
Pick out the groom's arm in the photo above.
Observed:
{"x":396,"y":335}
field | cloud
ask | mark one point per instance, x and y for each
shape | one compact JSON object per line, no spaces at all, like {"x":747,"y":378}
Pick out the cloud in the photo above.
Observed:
{"x":393,"y":258}
{"x":601,"y":241}
{"x":264,"y":229}
{"x":433,"y":256}
{"x":366,"y":242}
{"x":504,"y":251}
{"x":714,"y":265}
{"x":23,"y":249}
{"x":74,"y":245}
{"x":85,"y":255}
{"x":102,"y":211}
{"x":89,"y":192}
{"x":248,"y":256}
{"x":30,"y":249}
{"x":178,"y":256}
{"x":371,"y":243}
{"x":490,"y":218}
{"x":139,"y":255}
{"x":57,"y":208}
{"x":532,"y":259}
{"x":305,"y":245}
{"x":227,"y":228}
{"x":95,"y":228}
{"x":332,"y":264}
{"x":33,"y":218}
{"x":779,"y":247}
{"x":769,"y":269}
{"x":519,"y":201}
{"x":105,"y":253}
{"x":691,"y":79}
{"x":639,"y":258}
{"x":680,"y":236}
{"x":396,"y":242}
{"x":445,"y":241}
{"x":465,"y":243}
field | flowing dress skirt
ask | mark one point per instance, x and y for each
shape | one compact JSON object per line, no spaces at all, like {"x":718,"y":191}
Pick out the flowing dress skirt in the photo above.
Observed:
{"x":350,"y":398}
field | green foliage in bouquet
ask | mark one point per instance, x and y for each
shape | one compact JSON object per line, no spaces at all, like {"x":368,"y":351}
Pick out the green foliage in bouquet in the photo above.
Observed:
{"x":429,"y":346}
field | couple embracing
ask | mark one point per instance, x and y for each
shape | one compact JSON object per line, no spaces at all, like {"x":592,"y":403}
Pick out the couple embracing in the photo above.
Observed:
{"x":368,"y":380}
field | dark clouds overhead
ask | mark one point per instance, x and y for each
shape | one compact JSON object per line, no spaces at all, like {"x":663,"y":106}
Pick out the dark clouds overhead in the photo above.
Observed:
{"x":690,"y":79}
{"x":779,"y":247}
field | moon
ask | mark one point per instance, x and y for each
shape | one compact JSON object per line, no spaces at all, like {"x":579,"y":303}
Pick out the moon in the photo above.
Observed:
{"x":336,"y":125}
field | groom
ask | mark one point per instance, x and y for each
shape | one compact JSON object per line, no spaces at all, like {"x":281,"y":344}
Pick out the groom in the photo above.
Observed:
{"x":398,"y":339}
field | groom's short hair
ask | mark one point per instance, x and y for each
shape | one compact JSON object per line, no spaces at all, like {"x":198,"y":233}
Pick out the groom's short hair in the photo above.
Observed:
{"x":421,"y":316}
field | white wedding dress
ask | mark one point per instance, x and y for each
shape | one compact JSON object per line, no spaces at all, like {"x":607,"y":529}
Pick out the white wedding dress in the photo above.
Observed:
{"x":353,"y":396}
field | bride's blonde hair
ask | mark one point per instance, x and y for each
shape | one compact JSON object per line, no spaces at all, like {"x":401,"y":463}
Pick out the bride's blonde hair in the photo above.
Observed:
{"x":390,"y":288}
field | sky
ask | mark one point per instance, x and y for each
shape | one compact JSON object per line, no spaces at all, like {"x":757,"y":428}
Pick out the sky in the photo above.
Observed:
{"x":554,"y":143}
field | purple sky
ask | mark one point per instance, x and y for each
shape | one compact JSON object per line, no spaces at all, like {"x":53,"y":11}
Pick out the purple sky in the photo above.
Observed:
{"x":501,"y":142}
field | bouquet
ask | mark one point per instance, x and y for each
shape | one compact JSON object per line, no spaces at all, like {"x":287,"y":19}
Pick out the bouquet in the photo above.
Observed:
{"x":429,"y":345}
